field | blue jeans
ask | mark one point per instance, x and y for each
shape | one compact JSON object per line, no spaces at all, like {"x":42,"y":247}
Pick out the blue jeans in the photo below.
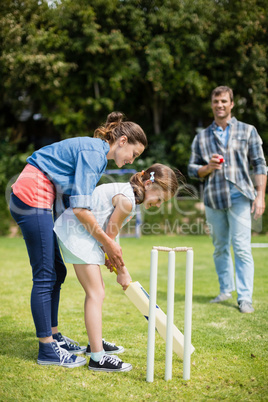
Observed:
{"x":48,"y":269}
{"x":233,"y":226}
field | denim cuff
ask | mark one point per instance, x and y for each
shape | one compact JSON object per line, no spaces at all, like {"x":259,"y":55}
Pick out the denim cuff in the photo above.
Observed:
{"x":260,"y":169}
{"x":80,"y":201}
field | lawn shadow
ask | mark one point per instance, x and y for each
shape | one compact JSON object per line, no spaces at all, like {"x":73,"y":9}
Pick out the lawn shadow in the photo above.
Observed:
{"x":200,"y":299}
{"x":163,"y":296}
{"x":21,"y":344}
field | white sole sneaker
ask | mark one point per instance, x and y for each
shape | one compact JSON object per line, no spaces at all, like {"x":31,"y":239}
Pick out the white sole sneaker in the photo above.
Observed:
{"x":80,"y":361}
{"x":109,"y":364}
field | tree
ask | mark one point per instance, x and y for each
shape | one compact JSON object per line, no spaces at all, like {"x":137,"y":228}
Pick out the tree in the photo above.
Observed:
{"x":155,"y":60}
{"x":32,"y":63}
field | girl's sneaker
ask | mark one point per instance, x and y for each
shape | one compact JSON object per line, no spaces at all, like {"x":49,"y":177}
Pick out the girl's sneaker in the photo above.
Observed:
{"x":52,"y":354}
{"x":109,"y":364}
{"x":109,"y":348}
{"x":68,"y":344}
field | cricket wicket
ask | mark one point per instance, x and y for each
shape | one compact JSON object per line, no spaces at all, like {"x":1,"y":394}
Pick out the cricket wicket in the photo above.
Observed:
{"x":170,"y":312}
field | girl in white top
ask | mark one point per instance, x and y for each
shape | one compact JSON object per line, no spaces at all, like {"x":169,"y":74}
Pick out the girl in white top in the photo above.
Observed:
{"x":112,"y":205}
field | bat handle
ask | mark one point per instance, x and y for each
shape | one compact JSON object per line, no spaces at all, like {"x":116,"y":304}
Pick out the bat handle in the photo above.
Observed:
{"x":114,"y":269}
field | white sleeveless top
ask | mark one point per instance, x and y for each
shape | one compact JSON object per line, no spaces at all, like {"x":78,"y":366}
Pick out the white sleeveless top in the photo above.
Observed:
{"x":75,"y":240}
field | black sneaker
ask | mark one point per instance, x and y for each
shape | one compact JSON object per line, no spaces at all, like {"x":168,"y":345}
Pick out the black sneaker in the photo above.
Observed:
{"x":109,"y":364}
{"x":52,"y":354}
{"x":68,"y":344}
{"x":109,"y":348}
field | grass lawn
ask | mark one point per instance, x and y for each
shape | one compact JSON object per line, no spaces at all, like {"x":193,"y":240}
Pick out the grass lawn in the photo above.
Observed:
{"x":230,"y":358}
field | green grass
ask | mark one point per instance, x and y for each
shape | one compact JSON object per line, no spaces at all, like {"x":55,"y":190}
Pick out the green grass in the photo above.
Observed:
{"x":230,"y":358}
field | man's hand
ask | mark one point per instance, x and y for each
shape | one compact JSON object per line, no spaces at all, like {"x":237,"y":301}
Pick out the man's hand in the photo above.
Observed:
{"x":215,"y":163}
{"x":258,"y":207}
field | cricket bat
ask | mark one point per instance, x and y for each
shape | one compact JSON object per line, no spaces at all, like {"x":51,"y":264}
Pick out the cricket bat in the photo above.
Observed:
{"x":140,"y":298}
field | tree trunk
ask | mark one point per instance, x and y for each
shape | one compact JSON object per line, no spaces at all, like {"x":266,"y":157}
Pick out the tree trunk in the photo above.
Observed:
{"x":96,"y":90}
{"x":156,"y":114}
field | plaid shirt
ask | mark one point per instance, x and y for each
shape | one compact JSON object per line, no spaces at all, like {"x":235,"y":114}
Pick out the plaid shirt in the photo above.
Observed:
{"x":243,"y":150}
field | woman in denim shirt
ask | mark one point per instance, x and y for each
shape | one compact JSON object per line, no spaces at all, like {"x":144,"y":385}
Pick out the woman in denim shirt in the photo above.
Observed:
{"x":67,"y":170}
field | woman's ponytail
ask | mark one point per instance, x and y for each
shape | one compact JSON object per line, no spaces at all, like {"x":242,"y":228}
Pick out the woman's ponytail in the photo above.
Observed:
{"x":115,"y":127}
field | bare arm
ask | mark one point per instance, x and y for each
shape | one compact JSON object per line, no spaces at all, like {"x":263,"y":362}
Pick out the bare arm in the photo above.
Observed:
{"x":112,"y":249}
{"x":211,"y":166}
{"x":258,"y":205}
{"x":122,"y":208}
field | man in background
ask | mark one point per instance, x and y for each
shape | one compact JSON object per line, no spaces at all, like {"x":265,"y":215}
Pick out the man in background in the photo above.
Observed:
{"x":221,"y":156}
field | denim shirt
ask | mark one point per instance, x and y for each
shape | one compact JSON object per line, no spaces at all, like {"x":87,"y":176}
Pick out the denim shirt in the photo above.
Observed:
{"x":242,"y":152}
{"x":223,"y":134}
{"x":74,"y":166}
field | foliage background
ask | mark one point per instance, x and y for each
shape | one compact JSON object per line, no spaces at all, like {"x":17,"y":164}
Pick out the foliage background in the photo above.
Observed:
{"x":65,"y":65}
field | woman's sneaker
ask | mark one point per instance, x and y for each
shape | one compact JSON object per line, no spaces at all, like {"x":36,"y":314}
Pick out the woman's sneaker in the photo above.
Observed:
{"x":109,"y":364}
{"x":69,"y":344}
{"x":52,"y":354}
{"x":109,"y":348}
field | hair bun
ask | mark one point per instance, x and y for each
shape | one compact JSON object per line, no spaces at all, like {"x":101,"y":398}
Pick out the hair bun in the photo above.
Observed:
{"x":115,"y":117}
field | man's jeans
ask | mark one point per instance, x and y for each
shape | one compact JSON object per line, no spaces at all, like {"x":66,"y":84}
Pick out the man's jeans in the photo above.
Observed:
{"x":233,"y":225}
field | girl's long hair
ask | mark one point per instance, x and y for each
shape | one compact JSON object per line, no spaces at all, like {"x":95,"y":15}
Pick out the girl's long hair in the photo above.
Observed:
{"x":164,"y":176}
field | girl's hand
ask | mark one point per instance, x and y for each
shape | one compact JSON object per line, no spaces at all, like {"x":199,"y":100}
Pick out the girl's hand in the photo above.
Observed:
{"x":114,"y":252}
{"x":108,"y":265}
{"x":123,"y":278}
{"x":122,"y":208}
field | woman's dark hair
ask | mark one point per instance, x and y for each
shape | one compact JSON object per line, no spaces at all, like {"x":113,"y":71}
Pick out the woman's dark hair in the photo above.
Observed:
{"x":163,"y":175}
{"x":115,"y":127}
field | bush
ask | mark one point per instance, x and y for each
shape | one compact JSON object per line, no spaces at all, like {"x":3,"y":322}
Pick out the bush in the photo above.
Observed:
{"x":12,"y":162}
{"x":186,"y":217}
